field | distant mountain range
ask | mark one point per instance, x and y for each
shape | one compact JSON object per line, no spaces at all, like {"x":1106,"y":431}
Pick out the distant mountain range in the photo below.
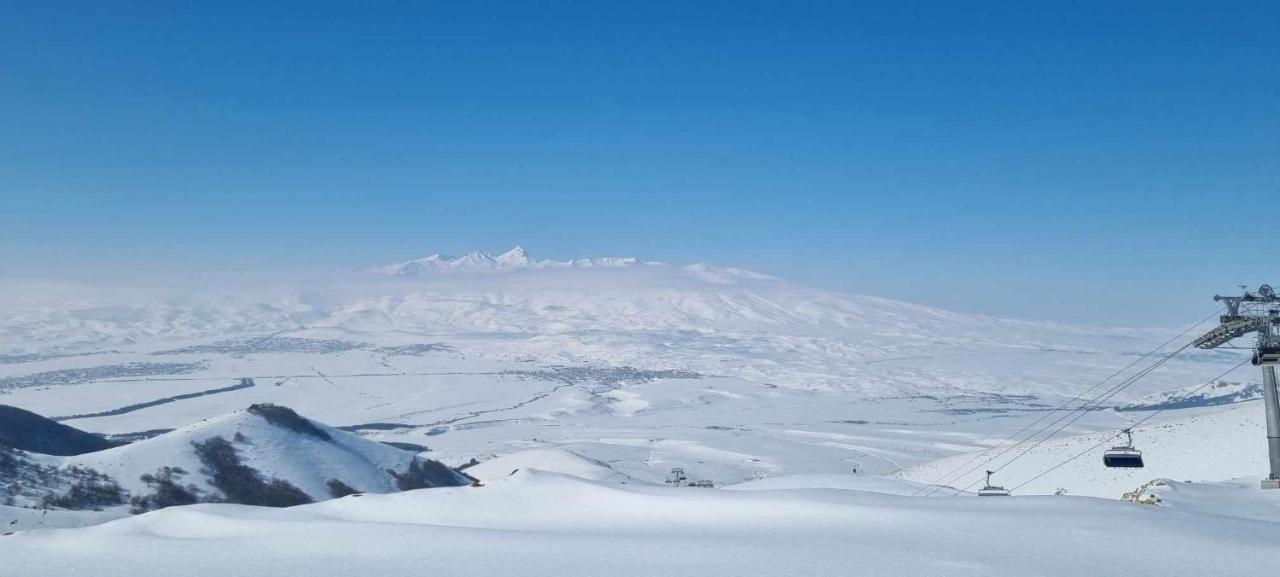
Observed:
{"x":612,"y":311}
{"x":614,"y":294}
{"x":516,"y":258}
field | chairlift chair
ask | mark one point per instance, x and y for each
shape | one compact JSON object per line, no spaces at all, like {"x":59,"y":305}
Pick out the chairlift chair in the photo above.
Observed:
{"x":992,"y":490}
{"x":1123,"y":456}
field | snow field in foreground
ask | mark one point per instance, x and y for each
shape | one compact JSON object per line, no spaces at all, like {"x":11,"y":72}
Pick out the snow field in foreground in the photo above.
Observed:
{"x":543,"y":524}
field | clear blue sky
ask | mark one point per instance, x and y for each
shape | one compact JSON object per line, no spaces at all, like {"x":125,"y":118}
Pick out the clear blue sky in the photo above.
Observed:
{"x":1091,"y":162}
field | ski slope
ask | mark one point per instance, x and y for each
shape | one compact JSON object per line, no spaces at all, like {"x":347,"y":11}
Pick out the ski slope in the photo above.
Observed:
{"x":538,"y":524}
{"x":1206,"y":445}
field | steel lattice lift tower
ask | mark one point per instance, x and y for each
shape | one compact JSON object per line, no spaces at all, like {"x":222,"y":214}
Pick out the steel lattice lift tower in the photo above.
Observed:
{"x":1256,"y":312}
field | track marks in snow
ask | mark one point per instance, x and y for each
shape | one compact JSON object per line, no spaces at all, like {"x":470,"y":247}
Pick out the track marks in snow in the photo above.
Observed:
{"x":473,"y":414}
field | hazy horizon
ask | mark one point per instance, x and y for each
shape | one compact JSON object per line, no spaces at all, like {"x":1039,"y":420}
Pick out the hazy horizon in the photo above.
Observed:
{"x":1086,"y":164}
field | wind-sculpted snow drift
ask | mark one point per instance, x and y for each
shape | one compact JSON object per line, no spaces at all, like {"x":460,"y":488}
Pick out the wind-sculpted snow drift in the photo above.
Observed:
{"x":541,"y":524}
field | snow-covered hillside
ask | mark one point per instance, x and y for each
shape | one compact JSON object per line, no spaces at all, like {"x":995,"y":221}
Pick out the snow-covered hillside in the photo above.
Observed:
{"x":549,"y":460}
{"x":264,"y":455}
{"x":1205,"y":445}
{"x":540,"y":524}
{"x":307,"y":458}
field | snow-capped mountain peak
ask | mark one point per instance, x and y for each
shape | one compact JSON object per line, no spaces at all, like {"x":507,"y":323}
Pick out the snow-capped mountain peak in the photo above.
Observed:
{"x":516,"y":258}
{"x":475,"y":259}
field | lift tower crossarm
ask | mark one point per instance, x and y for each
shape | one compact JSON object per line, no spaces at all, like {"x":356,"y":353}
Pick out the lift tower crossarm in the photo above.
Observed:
{"x":1231,"y":328}
{"x":1256,"y":312}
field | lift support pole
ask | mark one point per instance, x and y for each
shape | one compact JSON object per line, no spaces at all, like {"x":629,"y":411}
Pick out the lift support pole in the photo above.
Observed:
{"x":1272,"y":400}
{"x":1255,"y":312}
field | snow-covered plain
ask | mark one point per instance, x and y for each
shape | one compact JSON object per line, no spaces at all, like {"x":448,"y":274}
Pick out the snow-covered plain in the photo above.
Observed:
{"x":610,"y":372}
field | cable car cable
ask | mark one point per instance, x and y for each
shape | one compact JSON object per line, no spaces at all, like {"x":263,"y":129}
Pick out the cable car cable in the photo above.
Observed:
{"x":1084,"y":409}
{"x":950,"y":476}
{"x":1143,"y":420}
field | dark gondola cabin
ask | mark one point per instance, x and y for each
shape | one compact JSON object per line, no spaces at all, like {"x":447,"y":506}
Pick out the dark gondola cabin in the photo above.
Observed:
{"x":1124,"y":456}
{"x":990,"y":490}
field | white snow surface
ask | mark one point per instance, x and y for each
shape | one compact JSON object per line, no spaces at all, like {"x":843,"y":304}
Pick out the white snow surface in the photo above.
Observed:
{"x":1199,"y":445}
{"x":718,"y":320}
{"x":590,"y":379}
{"x":868,"y":483}
{"x":548,"y":460}
{"x":14,"y":519}
{"x":748,"y":376}
{"x":1236,"y":498}
{"x":542,"y":524}
{"x":306,"y":461}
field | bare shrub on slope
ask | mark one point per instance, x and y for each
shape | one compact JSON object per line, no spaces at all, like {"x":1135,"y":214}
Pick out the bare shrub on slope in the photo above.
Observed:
{"x":286,"y":418}
{"x":240,"y":483}
{"x":426,"y":474}
{"x":338,"y":489}
{"x":167,"y":491}
{"x":89,"y":490}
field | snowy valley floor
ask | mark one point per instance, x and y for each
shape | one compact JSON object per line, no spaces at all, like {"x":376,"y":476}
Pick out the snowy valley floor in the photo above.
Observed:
{"x":594,"y":384}
{"x":782,"y":458}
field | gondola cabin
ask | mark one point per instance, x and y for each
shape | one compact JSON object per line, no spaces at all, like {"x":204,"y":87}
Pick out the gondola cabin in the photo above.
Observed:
{"x":1124,"y":456}
{"x":990,"y":490}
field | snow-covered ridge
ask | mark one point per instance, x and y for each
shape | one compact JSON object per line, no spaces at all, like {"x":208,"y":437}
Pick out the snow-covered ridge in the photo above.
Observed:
{"x":516,"y":258}
{"x":218,"y":459}
{"x":539,"y":524}
{"x":306,"y":459}
{"x":1221,"y":393}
